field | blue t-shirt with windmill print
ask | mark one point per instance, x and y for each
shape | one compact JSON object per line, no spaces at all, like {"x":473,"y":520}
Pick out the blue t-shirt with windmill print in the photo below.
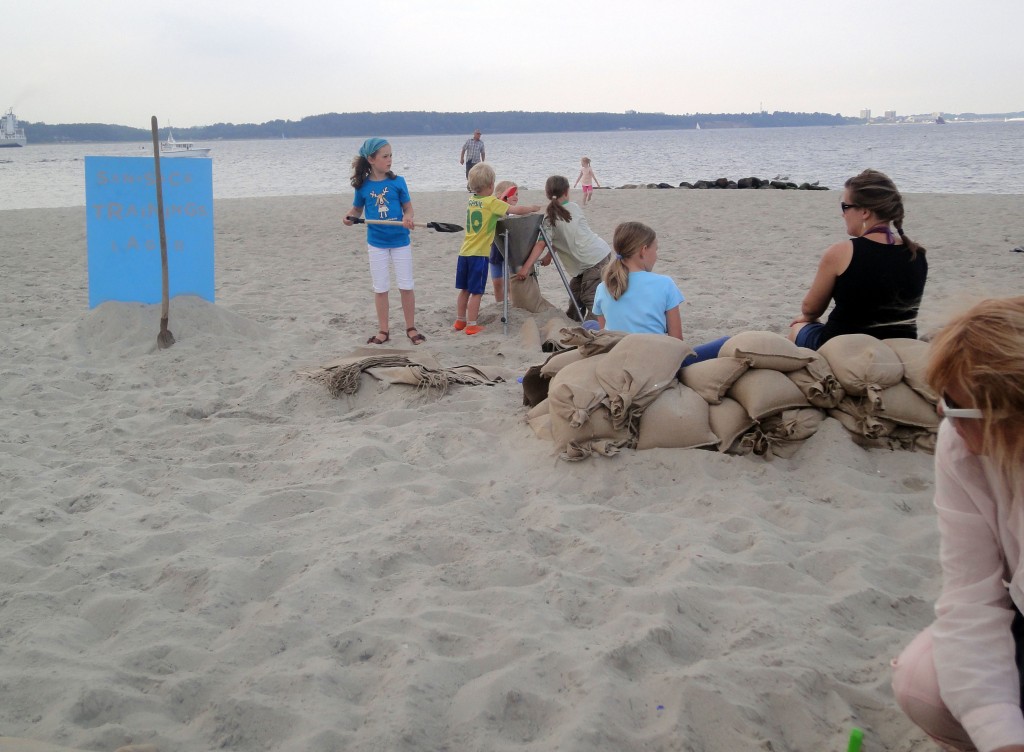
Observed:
{"x":383,"y":199}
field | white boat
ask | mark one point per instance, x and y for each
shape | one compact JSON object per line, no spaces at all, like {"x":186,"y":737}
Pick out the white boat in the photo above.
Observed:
{"x":172,"y":148}
{"x":10,"y":133}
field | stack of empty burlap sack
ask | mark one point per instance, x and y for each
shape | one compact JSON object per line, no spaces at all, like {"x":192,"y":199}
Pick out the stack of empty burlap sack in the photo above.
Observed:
{"x":761,"y":395}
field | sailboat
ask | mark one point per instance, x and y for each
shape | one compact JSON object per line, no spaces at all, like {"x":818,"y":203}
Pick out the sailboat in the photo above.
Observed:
{"x":698,"y":126}
{"x":172,"y":148}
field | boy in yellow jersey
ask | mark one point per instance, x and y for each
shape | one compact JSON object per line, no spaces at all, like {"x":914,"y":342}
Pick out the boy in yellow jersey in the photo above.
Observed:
{"x":482,"y":217}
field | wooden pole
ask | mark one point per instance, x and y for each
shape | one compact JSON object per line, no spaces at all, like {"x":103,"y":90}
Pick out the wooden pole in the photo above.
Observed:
{"x":164,"y":339}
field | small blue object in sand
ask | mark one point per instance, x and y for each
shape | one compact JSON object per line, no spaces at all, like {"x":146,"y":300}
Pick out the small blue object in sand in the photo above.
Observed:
{"x":520,"y":379}
{"x":591,"y":326}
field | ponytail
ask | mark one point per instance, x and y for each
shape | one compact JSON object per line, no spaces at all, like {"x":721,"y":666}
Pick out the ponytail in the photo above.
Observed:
{"x":615,"y":277}
{"x":914,"y":248}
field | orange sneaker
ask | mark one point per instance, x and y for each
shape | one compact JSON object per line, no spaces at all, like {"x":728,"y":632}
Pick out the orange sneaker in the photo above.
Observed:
{"x":459,"y":325}
{"x":474,"y":329}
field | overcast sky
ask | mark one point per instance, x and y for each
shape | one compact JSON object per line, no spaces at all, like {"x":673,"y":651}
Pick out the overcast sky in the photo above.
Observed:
{"x":198,"y":63}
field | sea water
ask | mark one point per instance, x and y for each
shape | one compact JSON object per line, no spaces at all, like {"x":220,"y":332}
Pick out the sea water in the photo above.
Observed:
{"x":986,"y":157}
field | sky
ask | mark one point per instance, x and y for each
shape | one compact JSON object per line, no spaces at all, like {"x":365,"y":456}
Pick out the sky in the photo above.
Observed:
{"x":224,"y":61}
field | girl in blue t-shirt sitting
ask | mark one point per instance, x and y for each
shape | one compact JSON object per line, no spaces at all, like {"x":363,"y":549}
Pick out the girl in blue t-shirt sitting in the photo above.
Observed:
{"x":631,"y":298}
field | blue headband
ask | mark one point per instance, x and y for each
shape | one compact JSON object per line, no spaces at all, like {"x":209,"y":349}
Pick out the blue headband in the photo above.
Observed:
{"x":371,"y":146}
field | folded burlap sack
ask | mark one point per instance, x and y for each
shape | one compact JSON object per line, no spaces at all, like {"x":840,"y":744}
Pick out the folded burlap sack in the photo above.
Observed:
{"x":588,"y":341}
{"x":764,"y":350}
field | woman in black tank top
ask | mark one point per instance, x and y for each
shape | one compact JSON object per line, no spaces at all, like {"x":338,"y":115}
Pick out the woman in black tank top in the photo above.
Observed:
{"x":876,"y":278}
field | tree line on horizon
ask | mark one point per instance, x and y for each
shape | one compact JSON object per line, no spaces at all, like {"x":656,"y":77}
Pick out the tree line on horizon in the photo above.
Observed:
{"x":356,"y":124}
{"x":361,"y":124}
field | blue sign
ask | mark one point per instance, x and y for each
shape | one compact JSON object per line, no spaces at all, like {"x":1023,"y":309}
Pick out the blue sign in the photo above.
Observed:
{"x":123,"y":228}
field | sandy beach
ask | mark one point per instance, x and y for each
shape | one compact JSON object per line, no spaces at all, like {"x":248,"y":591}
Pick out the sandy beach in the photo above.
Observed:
{"x":202,"y":549}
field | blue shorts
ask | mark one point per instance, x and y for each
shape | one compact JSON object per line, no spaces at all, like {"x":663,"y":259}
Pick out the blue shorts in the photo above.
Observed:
{"x":471,"y":274}
{"x":810,"y":335}
{"x":497,"y":262}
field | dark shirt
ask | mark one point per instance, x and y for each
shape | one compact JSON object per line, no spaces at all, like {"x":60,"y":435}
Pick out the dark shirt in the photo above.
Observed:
{"x":879,"y":293}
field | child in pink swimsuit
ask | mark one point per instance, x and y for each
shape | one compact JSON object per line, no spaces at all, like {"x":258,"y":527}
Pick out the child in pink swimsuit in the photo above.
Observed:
{"x":589,"y":180}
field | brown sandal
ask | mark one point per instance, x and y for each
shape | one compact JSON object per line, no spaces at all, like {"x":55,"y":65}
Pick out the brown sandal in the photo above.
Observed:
{"x":376,"y":340}
{"x":415,"y":338}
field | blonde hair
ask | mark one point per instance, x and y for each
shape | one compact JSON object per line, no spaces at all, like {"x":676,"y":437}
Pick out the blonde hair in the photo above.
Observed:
{"x":585,"y":160}
{"x":629,"y":239}
{"x":981,"y":351}
{"x":481,"y":177}
{"x":503,"y":186}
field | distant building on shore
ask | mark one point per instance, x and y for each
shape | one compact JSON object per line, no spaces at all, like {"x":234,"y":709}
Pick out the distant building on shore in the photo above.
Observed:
{"x":865,"y":114}
{"x":890,"y":116}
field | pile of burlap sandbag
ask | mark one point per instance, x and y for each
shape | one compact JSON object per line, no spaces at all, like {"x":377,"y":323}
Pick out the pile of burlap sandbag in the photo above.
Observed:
{"x":761,"y":395}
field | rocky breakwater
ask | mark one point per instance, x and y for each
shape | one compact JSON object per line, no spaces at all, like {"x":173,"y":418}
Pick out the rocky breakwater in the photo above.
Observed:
{"x":776,"y":183}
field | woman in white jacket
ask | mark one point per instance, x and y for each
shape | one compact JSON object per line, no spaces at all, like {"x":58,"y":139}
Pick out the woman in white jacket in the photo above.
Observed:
{"x":960,"y":680}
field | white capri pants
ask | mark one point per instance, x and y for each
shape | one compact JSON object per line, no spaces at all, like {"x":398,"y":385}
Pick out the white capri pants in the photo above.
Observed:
{"x":381,"y":261}
{"x":915,"y":684}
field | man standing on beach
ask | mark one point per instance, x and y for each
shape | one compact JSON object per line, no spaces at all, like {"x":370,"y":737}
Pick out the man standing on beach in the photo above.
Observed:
{"x":472,"y":152}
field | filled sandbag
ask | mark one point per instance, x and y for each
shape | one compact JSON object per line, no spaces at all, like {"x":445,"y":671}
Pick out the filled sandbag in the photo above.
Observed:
{"x":729,"y":421}
{"x":764,"y":350}
{"x":906,"y":438}
{"x":905,"y":406}
{"x":596,"y":434}
{"x":525,"y":294}
{"x":863,"y":364}
{"x":541,"y":425}
{"x":677,"y":419}
{"x":913,"y":354}
{"x":857,"y":420}
{"x":636,"y":371}
{"x":763,"y":392}
{"x":541,"y":408}
{"x":816,"y":380}
{"x":793,"y":425}
{"x":712,"y":378}
{"x":574,"y":393}
{"x":782,"y":434}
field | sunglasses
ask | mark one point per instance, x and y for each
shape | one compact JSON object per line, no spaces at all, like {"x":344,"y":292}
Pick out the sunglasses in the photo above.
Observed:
{"x":844,"y":206}
{"x":950,"y":410}
{"x":509,"y":193}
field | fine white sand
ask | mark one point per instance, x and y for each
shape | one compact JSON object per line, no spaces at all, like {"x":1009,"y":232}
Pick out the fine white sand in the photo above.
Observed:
{"x":203,"y":550}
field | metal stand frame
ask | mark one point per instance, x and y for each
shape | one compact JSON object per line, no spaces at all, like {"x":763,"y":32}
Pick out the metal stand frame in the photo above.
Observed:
{"x":506,"y":270}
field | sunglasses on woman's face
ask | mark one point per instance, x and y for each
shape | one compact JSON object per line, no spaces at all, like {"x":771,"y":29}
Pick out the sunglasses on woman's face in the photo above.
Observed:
{"x":949,"y":409}
{"x":844,"y":206}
